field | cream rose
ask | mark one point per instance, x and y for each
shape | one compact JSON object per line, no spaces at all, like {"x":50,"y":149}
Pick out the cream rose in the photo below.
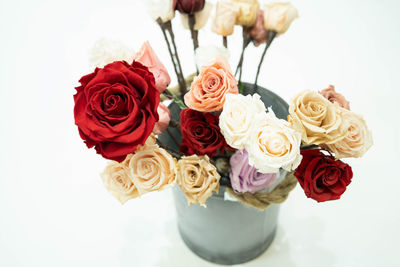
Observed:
{"x":197,"y":178}
{"x":208,"y":54}
{"x":237,"y":117}
{"x":117,"y":181}
{"x":278,"y":16}
{"x":318,"y":120}
{"x":248,"y":12}
{"x":357,"y":141}
{"x":163,"y":9}
{"x":273,"y":144}
{"x":152,"y":168}
{"x":105,"y":51}
{"x":225,"y":18}
{"x":201,"y":17}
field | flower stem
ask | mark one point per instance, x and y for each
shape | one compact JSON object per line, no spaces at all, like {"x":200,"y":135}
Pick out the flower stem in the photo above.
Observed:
{"x":176,"y":99}
{"x":271,"y":36}
{"x":225,"y":41}
{"x":246,"y":42}
{"x":194,"y":33}
{"x":172,"y":151}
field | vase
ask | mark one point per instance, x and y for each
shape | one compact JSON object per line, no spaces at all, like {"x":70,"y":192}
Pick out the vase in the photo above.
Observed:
{"x":226,"y":231}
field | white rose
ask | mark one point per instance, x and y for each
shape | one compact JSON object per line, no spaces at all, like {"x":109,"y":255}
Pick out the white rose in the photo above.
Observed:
{"x":201,"y":17}
{"x":206,"y":55}
{"x":105,"y":51}
{"x":117,"y":181}
{"x":273,"y":144}
{"x":278,"y":16}
{"x":163,"y":9}
{"x":237,"y":118}
{"x":357,"y":141}
{"x":225,"y":18}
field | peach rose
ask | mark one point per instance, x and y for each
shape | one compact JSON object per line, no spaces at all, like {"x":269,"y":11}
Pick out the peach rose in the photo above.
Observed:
{"x":164,"y":119}
{"x":225,"y":18}
{"x":357,"y":141}
{"x":117,"y":181}
{"x":152,"y":168}
{"x":330,"y":94}
{"x":258,"y":33}
{"x":209,"y":88}
{"x":197,"y":178}
{"x":148,"y":58}
{"x":318,"y":120}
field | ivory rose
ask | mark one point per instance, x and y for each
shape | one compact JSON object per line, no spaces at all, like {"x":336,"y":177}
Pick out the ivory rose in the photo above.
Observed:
{"x":334,"y":97}
{"x":201,"y":17}
{"x":197,"y":178}
{"x":278,"y":16}
{"x":163,"y":9}
{"x":257,"y":32}
{"x":357,"y":141}
{"x":117,"y":181}
{"x":148,"y":58}
{"x":105,"y":51}
{"x":206,"y":55}
{"x":209,"y":88}
{"x":248,"y":12}
{"x":273,"y":144}
{"x":164,"y":119}
{"x":318,"y":120}
{"x":152,"y":168}
{"x":225,"y":18}
{"x":237,"y":117}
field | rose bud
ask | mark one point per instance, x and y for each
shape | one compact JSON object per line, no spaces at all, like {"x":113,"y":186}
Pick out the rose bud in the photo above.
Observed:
{"x":190,"y":6}
{"x":321,"y":176}
{"x":161,"y":9}
{"x":248,"y":12}
{"x":258,"y":33}
{"x":165,"y":118}
{"x":278,"y":16}
{"x":201,"y":17}
{"x":334,"y":97}
{"x":225,"y":18}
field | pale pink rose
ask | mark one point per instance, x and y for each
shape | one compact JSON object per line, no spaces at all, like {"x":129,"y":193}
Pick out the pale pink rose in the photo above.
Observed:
{"x":258,"y":33}
{"x":210,"y":87}
{"x":148,"y":58}
{"x":164,"y":119}
{"x":332,"y":96}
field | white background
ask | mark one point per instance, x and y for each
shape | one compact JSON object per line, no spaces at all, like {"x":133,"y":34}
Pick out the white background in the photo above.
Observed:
{"x":54,"y":210}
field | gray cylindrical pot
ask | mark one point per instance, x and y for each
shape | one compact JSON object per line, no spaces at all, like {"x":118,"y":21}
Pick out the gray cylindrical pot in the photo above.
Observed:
{"x":226,"y":232}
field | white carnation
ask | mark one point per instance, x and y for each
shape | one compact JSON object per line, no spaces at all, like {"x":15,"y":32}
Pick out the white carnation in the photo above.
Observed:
{"x":206,"y":55}
{"x":273,"y":144}
{"x":106,"y":51}
{"x":237,"y":118}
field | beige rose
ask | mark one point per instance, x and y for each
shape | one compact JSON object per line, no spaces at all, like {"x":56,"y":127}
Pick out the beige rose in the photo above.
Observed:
{"x":318,"y":120}
{"x":152,"y":168}
{"x":117,"y":181}
{"x":248,"y":12}
{"x":201,"y":17}
{"x":357,"y":141}
{"x":197,"y":178}
{"x":225,"y":18}
{"x":278,"y":16}
{"x":333,"y":96}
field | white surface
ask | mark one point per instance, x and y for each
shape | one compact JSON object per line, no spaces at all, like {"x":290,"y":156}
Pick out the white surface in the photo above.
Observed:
{"x":54,"y":210}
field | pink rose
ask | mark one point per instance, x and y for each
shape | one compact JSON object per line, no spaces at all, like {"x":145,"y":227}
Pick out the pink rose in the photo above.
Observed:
{"x":332,"y":96}
{"x":163,"y":122}
{"x":210,"y":87}
{"x":258,"y":32}
{"x":148,"y":57}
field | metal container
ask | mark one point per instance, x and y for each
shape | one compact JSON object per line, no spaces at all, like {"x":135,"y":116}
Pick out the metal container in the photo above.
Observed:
{"x":226,"y":232}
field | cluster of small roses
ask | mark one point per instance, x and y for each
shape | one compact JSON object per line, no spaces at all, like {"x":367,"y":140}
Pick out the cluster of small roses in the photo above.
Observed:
{"x":324,"y":119}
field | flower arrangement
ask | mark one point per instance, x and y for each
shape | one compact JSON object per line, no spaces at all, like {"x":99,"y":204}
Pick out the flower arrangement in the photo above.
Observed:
{"x":228,"y":138}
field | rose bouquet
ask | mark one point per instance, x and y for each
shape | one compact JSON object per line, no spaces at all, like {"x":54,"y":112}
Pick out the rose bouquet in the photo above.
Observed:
{"x":227,"y":135}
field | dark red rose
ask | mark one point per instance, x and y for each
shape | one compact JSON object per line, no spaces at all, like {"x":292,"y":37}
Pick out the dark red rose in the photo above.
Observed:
{"x":190,"y":6}
{"x":116,"y":108}
{"x":201,"y":134}
{"x":321,"y":176}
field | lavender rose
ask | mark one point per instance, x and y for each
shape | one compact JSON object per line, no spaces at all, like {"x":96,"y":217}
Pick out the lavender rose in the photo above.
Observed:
{"x":245,"y":178}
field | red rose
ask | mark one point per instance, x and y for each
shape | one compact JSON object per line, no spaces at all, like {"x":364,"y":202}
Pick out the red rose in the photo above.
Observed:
{"x":200,"y":133}
{"x":321,"y":176}
{"x":116,"y":108}
{"x":190,"y":6}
